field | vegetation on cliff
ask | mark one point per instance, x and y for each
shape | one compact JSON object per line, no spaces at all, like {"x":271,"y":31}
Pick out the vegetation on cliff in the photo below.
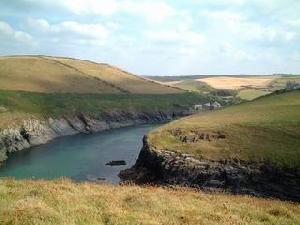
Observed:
{"x":20,"y":105}
{"x":264,"y":130}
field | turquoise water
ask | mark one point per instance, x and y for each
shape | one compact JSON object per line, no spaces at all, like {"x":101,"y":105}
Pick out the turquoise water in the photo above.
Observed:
{"x":80,"y":157}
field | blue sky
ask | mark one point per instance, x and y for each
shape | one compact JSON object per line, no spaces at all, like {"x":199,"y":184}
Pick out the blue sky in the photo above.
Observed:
{"x":159,"y":37}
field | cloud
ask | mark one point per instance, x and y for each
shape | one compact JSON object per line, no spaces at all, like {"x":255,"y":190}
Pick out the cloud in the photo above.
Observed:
{"x":153,"y":11}
{"x":232,"y":53}
{"x":71,"y":30}
{"x":175,"y":37}
{"x":169,"y":36}
{"x":7,"y":33}
{"x":237,"y":25}
{"x":96,"y":7}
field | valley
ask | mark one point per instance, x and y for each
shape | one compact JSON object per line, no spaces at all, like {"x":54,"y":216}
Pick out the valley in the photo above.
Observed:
{"x":225,"y":153}
{"x":43,"y":97}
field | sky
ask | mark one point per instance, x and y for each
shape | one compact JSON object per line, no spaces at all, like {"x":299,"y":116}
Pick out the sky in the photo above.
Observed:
{"x":159,"y":37}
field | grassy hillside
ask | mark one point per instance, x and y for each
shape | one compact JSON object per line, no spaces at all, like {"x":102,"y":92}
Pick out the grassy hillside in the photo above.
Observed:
{"x":267,"y":129}
{"x":19,"y":105}
{"x":280,"y":83}
{"x":66,"y":75}
{"x":250,"y":94}
{"x":63,"y":202}
{"x":192,"y":85}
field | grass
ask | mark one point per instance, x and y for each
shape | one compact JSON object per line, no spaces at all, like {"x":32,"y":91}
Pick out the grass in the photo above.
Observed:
{"x":65,"y":75}
{"x":267,"y":129}
{"x":280,"y":83}
{"x":20,"y":104}
{"x":250,"y":94}
{"x":64,"y":202}
{"x":194,"y":85}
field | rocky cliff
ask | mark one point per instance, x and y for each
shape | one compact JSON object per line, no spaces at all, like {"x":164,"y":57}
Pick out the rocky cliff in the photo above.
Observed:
{"x":35,"y":132}
{"x":238,"y":177}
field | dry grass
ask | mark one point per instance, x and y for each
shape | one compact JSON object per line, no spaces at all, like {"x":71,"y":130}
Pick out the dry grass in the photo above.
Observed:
{"x":63,"y":202}
{"x":119,"y":78}
{"x":172,"y":82}
{"x":235,"y":83}
{"x":191,"y":85}
{"x":64,"y":75}
{"x":14,"y":119}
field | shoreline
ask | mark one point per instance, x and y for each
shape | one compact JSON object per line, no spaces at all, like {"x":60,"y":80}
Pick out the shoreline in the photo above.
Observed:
{"x":37,"y":132}
{"x":259,"y":179}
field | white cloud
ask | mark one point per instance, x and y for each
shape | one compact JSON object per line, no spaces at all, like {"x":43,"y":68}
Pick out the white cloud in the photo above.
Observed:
{"x":183,"y":37}
{"x":236,"y":54}
{"x":293,"y":23}
{"x":239,"y":36}
{"x":40,"y":24}
{"x":179,"y":34}
{"x":9,"y":34}
{"x":94,"y":33}
{"x":238,"y":25}
{"x":295,"y":57}
{"x":153,"y":11}
{"x":5,"y":28}
{"x":96,"y":7}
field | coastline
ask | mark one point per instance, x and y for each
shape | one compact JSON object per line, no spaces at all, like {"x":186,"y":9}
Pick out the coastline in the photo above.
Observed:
{"x":35,"y":132}
{"x":258,"y":179}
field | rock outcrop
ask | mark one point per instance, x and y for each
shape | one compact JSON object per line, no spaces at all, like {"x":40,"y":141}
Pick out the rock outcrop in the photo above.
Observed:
{"x":35,"y":132}
{"x":238,"y":177}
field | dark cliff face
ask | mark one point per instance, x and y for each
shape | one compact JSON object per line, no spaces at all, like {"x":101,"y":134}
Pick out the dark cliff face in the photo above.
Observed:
{"x":237,"y":177}
{"x":35,"y":132}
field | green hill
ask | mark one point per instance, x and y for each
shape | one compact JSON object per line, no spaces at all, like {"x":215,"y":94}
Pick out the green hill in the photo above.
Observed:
{"x":264,"y":130}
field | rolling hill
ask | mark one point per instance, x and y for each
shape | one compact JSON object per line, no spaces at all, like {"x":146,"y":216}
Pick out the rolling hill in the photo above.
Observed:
{"x":65,"y":75}
{"x":266,"y":129}
{"x":246,"y":87}
{"x":44,"y":97}
{"x":251,"y":148}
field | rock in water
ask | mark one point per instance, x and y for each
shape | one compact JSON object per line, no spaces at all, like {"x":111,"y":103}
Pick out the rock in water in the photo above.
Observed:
{"x":116,"y":163}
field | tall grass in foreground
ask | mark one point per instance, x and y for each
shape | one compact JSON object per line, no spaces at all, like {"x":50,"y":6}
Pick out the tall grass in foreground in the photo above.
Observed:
{"x":64,"y":202}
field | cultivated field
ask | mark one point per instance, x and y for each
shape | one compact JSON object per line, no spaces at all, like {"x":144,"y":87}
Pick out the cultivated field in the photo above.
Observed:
{"x":243,"y":87}
{"x":235,"y":83}
{"x":64,"y":202}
